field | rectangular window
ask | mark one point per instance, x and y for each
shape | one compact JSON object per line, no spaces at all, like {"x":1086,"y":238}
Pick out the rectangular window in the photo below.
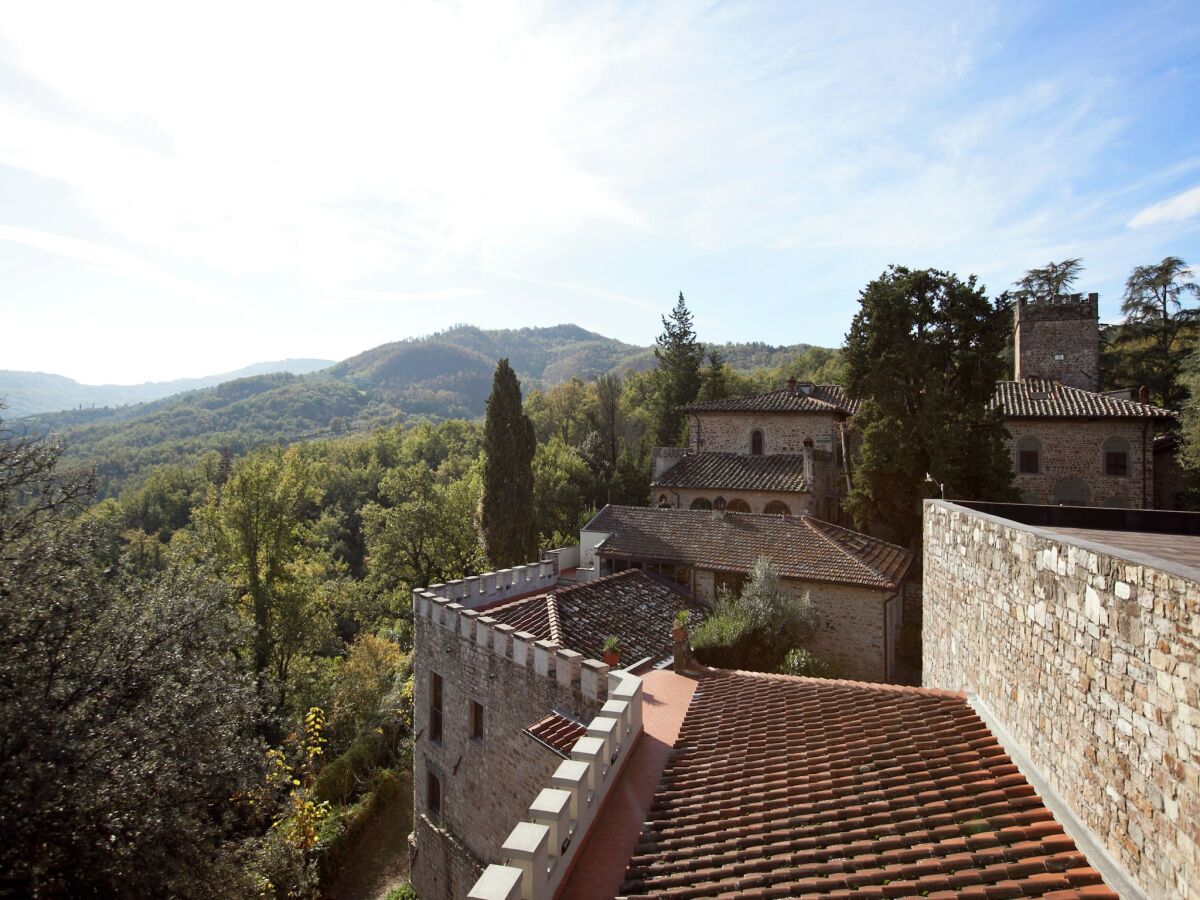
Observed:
{"x":476,"y":721}
{"x":1116,"y":464}
{"x":1028,"y":462}
{"x":433,"y":794}
{"x":435,"y":707}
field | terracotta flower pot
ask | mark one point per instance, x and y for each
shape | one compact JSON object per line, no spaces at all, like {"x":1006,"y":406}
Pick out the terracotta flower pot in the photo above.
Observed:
{"x":679,"y":634}
{"x":611,"y":658}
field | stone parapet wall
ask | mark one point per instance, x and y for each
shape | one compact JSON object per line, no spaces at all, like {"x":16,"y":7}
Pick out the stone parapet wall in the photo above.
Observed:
{"x":538,"y":853}
{"x":1090,"y":658}
{"x":487,"y":782}
{"x":505,"y":584}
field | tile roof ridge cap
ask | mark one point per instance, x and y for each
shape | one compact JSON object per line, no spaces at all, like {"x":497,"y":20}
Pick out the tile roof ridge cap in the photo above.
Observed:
{"x":848,"y":682}
{"x":841,"y":548}
{"x":552,"y":619}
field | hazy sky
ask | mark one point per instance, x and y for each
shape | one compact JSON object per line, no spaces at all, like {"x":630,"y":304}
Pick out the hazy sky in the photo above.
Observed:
{"x":187,"y":190}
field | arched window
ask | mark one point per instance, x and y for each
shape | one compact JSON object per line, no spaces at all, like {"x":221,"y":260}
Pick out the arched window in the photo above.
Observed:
{"x":738,"y":505}
{"x":777,"y":508}
{"x":719,"y":503}
{"x":663,"y":502}
{"x":702,"y":503}
{"x":756,"y":442}
{"x":1029,"y":455}
{"x":1071,"y":491}
{"x":1115,"y":457}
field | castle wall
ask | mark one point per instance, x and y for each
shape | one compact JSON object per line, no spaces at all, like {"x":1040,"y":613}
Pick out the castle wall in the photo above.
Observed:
{"x":1059,"y":341}
{"x":1073,"y":448}
{"x":1091,"y":661}
{"x":851,"y":633}
{"x":487,"y":784}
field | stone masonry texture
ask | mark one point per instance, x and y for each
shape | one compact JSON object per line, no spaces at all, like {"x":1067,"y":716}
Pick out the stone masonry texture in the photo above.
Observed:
{"x":488,"y":784}
{"x":1091,"y":662}
{"x":1068,"y":329}
{"x":1073,"y":448}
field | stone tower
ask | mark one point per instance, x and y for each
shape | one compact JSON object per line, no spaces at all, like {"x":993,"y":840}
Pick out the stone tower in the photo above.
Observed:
{"x":1060,"y":340}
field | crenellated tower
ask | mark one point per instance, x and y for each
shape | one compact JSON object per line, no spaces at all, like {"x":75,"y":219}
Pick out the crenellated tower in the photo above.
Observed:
{"x":1059,"y":339}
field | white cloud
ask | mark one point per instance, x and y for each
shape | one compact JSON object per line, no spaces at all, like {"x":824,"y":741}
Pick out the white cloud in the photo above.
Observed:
{"x":1179,"y":208}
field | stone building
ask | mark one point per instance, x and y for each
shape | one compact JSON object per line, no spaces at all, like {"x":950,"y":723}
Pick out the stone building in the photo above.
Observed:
{"x":781,"y":453}
{"x":1079,"y":631}
{"x":1059,"y":340}
{"x":856,"y":582}
{"x":501,"y":696}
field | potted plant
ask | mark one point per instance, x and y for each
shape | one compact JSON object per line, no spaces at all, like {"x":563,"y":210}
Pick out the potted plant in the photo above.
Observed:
{"x":679,"y":626}
{"x":611,"y":651}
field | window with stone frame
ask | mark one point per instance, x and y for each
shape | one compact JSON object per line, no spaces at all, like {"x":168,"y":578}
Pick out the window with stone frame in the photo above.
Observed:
{"x":435,"y":707}
{"x":1029,"y":455}
{"x":729,"y":581}
{"x":1116,"y":457}
{"x":756,"y":442}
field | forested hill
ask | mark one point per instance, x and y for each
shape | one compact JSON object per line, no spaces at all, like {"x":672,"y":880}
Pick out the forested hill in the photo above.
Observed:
{"x":446,"y":375}
{"x":29,"y":393}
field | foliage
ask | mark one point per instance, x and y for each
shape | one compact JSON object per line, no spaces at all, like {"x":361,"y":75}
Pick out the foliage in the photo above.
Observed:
{"x":681,"y":619}
{"x":1158,"y":327}
{"x":756,"y":629}
{"x":1189,"y":416}
{"x":562,"y":493}
{"x":677,"y":379}
{"x":716,"y":377}
{"x":367,"y":678}
{"x":1048,"y":282}
{"x":126,"y":721}
{"x":509,"y":529}
{"x":612,"y":644}
{"x":404,"y":892}
{"x":924,"y":353}
{"x":804,"y":662}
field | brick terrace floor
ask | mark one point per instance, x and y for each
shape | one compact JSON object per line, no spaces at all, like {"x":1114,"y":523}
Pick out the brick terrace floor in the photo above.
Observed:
{"x":600,"y":870}
{"x":1183,"y":549}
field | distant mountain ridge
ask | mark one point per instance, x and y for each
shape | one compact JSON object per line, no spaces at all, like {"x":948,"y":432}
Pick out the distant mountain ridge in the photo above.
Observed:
{"x":29,"y":393}
{"x":444,"y":375}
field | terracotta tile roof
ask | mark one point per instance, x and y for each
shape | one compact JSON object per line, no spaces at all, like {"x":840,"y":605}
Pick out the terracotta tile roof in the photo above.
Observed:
{"x":799,"y":547}
{"x":637,"y":607}
{"x":782,"y":787}
{"x":821,"y":398}
{"x":557,"y":732}
{"x":735,"y":472}
{"x":1040,"y":398}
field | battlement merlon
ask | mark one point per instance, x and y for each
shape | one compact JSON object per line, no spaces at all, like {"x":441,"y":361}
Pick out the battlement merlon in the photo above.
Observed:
{"x":506,"y":584}
{"x":1066,"y":307}
{"x":589,"y":677}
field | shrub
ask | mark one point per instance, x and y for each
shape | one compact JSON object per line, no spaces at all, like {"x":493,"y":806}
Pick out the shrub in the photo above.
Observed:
{"x":756,"y":629}
{"x":802,"y":662}
{"x":404,"y":892}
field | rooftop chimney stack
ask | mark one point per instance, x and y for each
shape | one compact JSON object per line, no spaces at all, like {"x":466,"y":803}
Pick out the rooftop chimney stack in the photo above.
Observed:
{"x":1143,"y":395}
{"x":791,"y":386}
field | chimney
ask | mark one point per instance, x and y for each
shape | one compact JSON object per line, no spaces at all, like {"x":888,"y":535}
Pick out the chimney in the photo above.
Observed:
{"x":1143,"y":395}
{"x":718,"y":509}
{"x":808,"y":461}
{"x":791,"y":386}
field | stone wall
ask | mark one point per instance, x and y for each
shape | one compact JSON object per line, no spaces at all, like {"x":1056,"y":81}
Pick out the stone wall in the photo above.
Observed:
{"x":486,"y":784}
{"x":1090,"y":658}
{"x":852,"y":634}
{"x":1059,"y":341}
{"x":1072,"y":448}
{"x":782,"y":434}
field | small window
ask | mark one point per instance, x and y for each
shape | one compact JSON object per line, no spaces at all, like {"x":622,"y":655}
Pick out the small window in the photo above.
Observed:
{"x":433,"y":794}
{"x":1029,"y":453}
{"x":435,"y":707}
{"x":756,"y":443}
{"x":1116,"y":457}
{"x":702,"y":503}
{"x":1059,"y":357}
{"x":476,"y":721}
{"x":663,"y":502}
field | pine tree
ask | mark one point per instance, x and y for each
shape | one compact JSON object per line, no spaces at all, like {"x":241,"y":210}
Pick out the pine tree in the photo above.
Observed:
{"x":714,"y":382}
{"x":678,"y":378}
{"x":924,"y":353}
{"x":509,"y":531}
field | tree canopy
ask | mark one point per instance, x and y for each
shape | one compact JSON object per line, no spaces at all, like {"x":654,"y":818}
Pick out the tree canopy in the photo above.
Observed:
{"x":677,"y":379}
{"x":923,"y":354}
{"x":509,"y":529}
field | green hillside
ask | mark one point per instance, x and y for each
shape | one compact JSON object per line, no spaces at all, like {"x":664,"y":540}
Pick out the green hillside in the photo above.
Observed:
{"x":446,"y":375}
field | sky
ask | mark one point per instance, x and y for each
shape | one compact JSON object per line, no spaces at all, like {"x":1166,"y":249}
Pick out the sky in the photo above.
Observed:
{"x":186,"y":189}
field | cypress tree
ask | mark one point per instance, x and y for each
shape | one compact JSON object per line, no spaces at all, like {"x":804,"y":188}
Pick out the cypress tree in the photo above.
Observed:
{"x":677,"y":379}
{"x":509,"y":531}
